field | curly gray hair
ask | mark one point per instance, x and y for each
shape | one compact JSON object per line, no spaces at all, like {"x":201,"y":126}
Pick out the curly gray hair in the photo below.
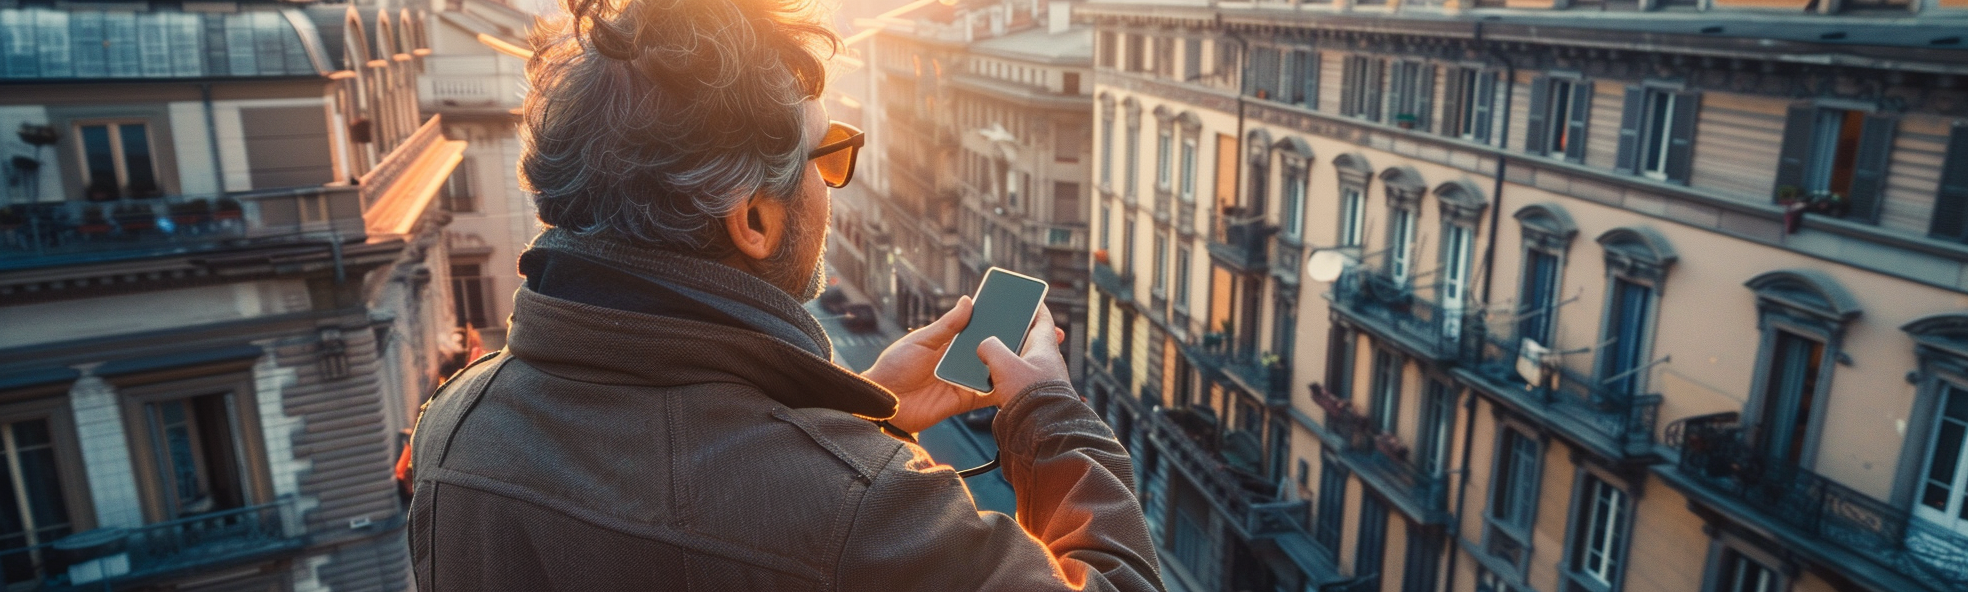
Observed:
{"x":652,"y":119}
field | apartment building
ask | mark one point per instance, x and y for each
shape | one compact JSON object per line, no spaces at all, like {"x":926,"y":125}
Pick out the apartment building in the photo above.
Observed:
{"x":982,"y":114}
{"x":223,"y":284}
{"x":1588,"y":296}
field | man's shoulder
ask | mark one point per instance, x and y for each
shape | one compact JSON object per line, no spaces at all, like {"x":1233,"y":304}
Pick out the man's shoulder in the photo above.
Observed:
{"x":854,"y":440}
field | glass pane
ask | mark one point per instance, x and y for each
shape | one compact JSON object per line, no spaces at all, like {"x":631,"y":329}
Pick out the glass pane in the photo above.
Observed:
{"x":180,"y":458}
{"x":31,"y":433}
{"x":137,"y":162}
{"x":40,"y":479}
{"x":100,"y":160}
{"x":1944,"y":461}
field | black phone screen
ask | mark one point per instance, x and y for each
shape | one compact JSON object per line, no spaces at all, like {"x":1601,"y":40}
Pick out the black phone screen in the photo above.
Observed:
{"x":1004,"y":306}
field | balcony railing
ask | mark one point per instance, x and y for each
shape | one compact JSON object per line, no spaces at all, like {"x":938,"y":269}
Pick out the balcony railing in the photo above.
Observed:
{"x":1394,"y":309}
{"x":1263,"y":373}
{"x":1717,"y":455}
{"x":107,"y":557}
{"x":1616,"y":422}
{"x":1120,"y":285}
{"x":1240,"y":495}
{"x":1239,"y":240}
{"x":1383,"y":460}
{"x":53,"y":233}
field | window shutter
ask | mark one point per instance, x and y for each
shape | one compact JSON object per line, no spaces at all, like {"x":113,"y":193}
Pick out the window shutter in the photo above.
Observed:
{"x":1485,"y":98}
{"x":1635,"y":108}
{"x":1424,"y":93}
{"x":1311,"y":80}
{"x":1951,"y":203}
{"x":1581,"y":111}
{"x":1398,"y":81}
{"x":1796,"y":147}
{"x":1349,"y":87}
{"x":1452,"y":104}
{"x":1869,"y":173}
{"x":1535,"y":130}
{"x":1681,"y":137}
{"x":1376,"y":72}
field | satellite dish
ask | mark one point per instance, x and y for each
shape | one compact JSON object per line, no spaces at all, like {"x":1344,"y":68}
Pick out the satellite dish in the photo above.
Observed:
{"x":1325,"y":265}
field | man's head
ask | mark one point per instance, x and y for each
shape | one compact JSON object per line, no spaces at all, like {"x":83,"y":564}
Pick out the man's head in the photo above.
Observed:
{"x":684,"y":125}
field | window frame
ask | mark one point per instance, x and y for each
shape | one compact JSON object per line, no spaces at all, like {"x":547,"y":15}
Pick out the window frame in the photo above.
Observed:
{"x":1580,"y":523}
{"x":1726,"y":546}
{"x":137,"y":393}
{"x":1822,"y":316}
{"x":1546,"y":229}
{"x":1520,"y":531}
{"x":1639,"y":256}
{"x":118,"y":156}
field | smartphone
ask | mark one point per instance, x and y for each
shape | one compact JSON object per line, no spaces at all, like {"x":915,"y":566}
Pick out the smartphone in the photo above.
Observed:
{"x":1004,"y":306}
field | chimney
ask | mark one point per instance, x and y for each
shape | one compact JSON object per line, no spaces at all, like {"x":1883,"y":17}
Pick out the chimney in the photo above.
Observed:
{"x":1059,"y":17}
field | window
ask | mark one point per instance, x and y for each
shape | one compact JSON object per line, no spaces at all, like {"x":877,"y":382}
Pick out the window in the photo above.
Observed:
{"x":1470,"y":101}
{"x":1107,"y":49}
{"x":1107,"y":145}
{"x":1332,"y":505}
{"x":1164,"y":144}
{"x":1513,"y":497}
{"x":1165,"y":57}
{"x":198,"y":464}
{"x":1352,"y":215}
{"x":469,"y":293}
{"x":1133,"y":155}
{"x":1339,"y":362}
{"x":1262,"y":81}
{"x":1226,"y":60}
{"x":1360,"y":87}
{"x":1598,"y":533}
{"x":1951,"y":200}
{"x":459,"y":196}
{"x":117,"y":160}
{"x":1558,"y":111}
{"x":1303,"y":68}
{"x":1127,"y":246}
{"x":1424,"y":559}
{"x":1437,"y":425}
{"x":1538,"y":300}
{"x":1192,"y":59}
{"x":1161,"y":264}
{"x":1106,"y":224}
{"x":1790,"y":394}
{"x":1292,"y":215}
{"x":1489,"y":581}
{"x":1304,"y":474}
{"x":1942,"y":492}
{"x":1372,"y":548}
{"x":1740,"y":573}
{"x":1182,"y":277}
{"x":1410,"y":94}
{"x":37,"y":512}
{"x":1456,"y":247}
{"x":1134,"y":53}
{"x":1623,"y":356}
{"x":1065,"y":203}
{"x":1386,"y":391}
{"x":1835,"y":152}
{"x":1400,"y":244}
{"x":1188,"y":170}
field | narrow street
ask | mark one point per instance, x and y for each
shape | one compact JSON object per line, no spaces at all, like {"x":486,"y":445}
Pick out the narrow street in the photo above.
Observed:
{"x":952,"y":442}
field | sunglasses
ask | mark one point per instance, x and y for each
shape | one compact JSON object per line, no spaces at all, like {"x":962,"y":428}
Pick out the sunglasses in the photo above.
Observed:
{"x":837,"y":152}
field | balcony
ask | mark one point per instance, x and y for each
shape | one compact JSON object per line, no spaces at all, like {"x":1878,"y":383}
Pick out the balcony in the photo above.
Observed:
{"x":1238,"y":241}
{"x":111,"y":557}
{"x":59,"y":233}
{"x":1097,"y":349}
{"x":1382,"y":461}
{"x":1612,"y":423}
{"x":1120,"y":285}
{"x":1288,"y":256}
{"x":1876,"y":544}
{"x":1188,"y":439}
{"x":1263,"y":373}
{"x":1395,"y":312}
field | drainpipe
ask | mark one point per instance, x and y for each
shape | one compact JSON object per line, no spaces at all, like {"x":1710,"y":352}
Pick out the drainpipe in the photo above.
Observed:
{"x":1489,"y":275}
{"x":212,"y":135}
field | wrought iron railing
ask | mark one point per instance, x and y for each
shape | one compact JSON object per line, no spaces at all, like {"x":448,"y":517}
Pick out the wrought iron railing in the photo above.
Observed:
{"x":1625,"y":419}
{"x":1395,"y":308}
{"x":1239,"y":239}
{"x":1244,"y":497}
{"x":53,"y":232}
{"x":1120,"y":285}
{"x":1097,"y":348}
{"x":1261,"y":372}
{"x":1716,"y":452}
{"x":195,"y":542}
{"x":1380,"y":454}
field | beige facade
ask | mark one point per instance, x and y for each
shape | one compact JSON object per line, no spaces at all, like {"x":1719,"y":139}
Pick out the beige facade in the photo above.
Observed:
{"x":1739,"y":296}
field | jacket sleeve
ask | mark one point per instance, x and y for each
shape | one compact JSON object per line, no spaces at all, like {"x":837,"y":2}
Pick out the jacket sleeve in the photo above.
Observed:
{"x":1079,"y":526}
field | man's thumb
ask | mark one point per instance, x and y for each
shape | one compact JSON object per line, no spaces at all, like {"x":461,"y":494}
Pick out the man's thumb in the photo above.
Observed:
{"x":994,"y":353}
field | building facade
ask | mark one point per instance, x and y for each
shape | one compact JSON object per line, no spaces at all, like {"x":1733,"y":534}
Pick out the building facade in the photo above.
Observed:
{"x":1589,"y":296}
{"x":981,"y":117}
{"x":222,"y":277}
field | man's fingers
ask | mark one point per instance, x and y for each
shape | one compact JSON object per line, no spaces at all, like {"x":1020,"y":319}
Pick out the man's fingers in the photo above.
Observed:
{"x":995,"y":354}
{"x":938,"y":334}
{"x":1042,"y":327}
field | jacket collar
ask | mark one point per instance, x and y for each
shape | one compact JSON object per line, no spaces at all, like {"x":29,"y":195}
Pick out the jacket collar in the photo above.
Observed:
{"x":608,"y":346}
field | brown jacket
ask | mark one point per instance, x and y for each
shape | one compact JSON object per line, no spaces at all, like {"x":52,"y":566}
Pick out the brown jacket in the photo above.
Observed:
{"x":611,"y":450}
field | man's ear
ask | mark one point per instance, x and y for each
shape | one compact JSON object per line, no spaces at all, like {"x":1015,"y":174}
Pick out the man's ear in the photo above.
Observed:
{"x":757,"y":226}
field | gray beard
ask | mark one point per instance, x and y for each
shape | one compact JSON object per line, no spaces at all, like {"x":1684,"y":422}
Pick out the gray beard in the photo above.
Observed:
{"x":803,"y":280}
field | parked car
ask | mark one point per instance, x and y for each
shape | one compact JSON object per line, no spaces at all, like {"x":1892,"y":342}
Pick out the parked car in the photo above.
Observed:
{"x":833,"y":300}
{"x":860,"y":318}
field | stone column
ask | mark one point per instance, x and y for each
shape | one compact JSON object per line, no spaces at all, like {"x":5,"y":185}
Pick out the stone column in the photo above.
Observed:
{"x":105,"y":450}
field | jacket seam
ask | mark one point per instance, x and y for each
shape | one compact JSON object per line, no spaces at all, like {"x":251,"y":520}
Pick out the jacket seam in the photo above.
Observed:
{"x":860,"y":505}
{"x":860,"y":468}
{"x":688,"y":542}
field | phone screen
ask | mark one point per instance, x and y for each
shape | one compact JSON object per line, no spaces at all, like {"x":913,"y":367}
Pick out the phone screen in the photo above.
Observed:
{"x":1004,"y":306}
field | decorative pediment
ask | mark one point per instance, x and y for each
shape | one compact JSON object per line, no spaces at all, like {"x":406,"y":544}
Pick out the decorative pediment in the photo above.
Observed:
{"x":1404,"y":187}
{"x":1189,"y":121}
{"x":1353,"y":168}
{"x":1945,"y":333}
{"x":1638,"y":252}
{"x":1462,"y":201}
{"x":1805,"y":294}
{"x":1259,"y":142}
{"x":1546,"y":226}
{"x":1294,"y":147}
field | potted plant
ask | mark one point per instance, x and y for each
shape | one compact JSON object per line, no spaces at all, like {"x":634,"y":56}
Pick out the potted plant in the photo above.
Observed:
{"x":228,"y":209}
{"x":1391,"y":445}
{"x":1100,"y":256}
{"x":93,"y":221}
{"x":1406,"y":120}
{"x":190,"y":213}
{"x":135,"y":217}
{"x":38,"y":135}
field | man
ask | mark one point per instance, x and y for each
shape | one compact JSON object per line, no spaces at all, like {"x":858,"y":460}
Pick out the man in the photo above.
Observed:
{"x":665,"y":415}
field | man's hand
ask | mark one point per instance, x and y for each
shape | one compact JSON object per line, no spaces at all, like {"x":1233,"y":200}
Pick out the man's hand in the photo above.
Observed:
{"x":1040,"y":361}
{"x":908,"y":369}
